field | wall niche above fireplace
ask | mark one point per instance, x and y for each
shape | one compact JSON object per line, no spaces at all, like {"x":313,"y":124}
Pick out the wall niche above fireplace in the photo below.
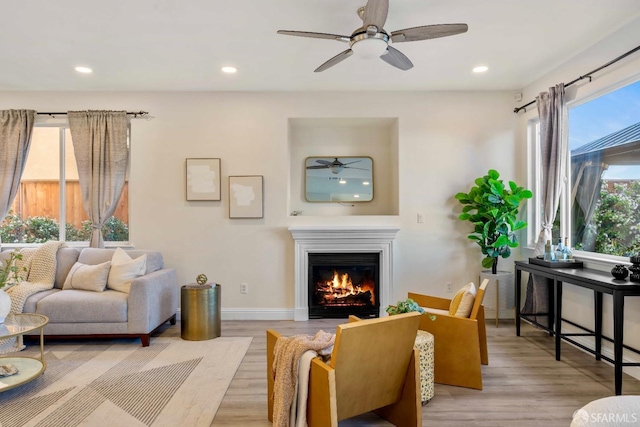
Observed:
{"x":375,"y":137}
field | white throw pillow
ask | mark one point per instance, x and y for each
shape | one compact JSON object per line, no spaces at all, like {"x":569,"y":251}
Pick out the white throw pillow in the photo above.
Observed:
{"x":124,"y":270}
{"x":88,"y":277}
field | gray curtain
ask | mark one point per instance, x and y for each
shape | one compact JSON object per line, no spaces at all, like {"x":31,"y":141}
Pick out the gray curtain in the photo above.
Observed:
{"x":553,"y":144}
{"x":16,"y":129}
{"x":102,"y":155}
{"x":586,"y":180}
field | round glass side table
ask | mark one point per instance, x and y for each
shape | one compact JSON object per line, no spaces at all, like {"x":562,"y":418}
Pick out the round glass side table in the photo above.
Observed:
{"x":29,"y":368}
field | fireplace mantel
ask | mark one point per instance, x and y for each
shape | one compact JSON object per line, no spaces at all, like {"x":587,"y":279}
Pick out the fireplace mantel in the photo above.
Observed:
{"x":336,"y":239}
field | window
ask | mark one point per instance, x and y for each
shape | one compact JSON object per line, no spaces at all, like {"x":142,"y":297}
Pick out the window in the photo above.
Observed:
{"x":600,"y":205}
{"x":45,"y":210}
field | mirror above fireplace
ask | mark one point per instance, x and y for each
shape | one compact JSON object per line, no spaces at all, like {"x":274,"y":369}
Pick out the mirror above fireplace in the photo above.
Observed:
{"x":339,"y":179}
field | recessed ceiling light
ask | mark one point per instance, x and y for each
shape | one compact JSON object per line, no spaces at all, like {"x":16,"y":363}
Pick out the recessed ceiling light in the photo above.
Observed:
{"x":480,"y":69}
{"x":356,"y":195}
{"x":365,"y":182}
{"x":229,"y":70}
{"x":84,"y":70}
{"x":342,"y":181}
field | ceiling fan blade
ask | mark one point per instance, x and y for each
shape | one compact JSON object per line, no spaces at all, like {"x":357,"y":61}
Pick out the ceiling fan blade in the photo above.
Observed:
{"x":375,"y":13}
{"x":309,"y":34}
{"x":318,"y":167}
{"x":428,"y":32}
{"x":333,"y":61}
{"x":396,"y":58}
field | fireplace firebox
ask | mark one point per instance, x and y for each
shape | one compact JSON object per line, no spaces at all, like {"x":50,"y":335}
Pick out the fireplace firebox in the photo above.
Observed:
{"x":341,"y":284}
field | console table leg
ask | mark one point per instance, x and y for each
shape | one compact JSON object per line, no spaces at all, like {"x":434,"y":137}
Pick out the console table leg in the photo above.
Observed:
{"x":618,"y":331}
{"x":517,"y":301}
{"x":598,"y":323}
{"x":558,"y":316}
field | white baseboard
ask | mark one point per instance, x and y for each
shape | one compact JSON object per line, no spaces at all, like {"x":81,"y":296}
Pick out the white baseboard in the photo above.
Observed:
{"x":505,"y":314}
{"x":256,"y":314}
{"x":253,"y":314}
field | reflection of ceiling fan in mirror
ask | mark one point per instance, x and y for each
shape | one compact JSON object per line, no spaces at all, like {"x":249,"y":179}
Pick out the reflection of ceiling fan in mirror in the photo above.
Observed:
{"x":371,"y":40}
{"x":336,"y":166}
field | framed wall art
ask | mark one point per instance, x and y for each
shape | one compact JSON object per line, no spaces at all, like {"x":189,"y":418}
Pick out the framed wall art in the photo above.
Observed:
{"x":203,"y":179}
{"x":245,"y":196}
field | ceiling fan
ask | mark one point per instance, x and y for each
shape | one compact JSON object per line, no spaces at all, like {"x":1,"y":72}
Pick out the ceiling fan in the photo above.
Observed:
{"x":335,"y":167}
{"x":371,"y":40}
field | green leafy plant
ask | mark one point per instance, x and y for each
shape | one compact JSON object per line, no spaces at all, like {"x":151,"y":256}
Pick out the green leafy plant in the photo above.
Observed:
{"x":492,"y":208}
{"x":40,"y":229}
{"x":10,"y":272}
{"x":405,"y":306}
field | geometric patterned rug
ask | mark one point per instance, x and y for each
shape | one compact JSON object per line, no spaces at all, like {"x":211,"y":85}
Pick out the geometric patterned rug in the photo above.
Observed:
{"x":172,"y":382}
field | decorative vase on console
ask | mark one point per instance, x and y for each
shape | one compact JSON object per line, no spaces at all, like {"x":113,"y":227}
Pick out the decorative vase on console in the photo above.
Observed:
{"x":619,"y":272}
{"x":635,"y":268}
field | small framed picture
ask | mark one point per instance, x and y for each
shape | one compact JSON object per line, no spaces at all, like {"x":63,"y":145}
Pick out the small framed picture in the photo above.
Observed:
{"x":203,"y":179}
{"x":245,"y":196}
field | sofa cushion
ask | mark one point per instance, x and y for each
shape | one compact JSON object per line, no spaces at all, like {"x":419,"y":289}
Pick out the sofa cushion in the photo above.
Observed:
{"x":65,"y":259}
{"x":77,"y":306}
{"x":88,"y":277}
{"x":30,"y":305}
{"x":124,"y":270}
{"x":98,"y":255}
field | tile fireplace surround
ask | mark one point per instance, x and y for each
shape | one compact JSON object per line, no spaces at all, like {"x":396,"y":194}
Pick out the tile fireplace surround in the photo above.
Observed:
{"x":341,"y":239}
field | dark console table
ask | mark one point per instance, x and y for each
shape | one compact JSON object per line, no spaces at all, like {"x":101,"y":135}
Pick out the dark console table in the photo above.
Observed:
{"x":601,"y":283}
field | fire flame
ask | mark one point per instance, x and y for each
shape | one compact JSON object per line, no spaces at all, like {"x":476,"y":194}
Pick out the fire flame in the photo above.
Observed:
{"x":341,"y":286}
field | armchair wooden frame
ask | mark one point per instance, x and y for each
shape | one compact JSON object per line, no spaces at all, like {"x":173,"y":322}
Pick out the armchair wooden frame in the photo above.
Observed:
{"x":460,"y":344}
{"x":374,"y":367}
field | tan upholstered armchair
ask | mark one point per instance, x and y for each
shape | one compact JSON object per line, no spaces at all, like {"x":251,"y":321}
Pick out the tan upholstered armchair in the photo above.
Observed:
{"x":373,"y":367}
{"x":460,"y":342}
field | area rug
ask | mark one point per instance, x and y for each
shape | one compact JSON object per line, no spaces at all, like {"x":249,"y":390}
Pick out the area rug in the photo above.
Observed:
{"x":172,"y":382}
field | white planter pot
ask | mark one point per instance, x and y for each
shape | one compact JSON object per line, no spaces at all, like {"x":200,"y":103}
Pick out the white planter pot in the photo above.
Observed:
{"x":5,"y":305}
{"x":499,"y":296}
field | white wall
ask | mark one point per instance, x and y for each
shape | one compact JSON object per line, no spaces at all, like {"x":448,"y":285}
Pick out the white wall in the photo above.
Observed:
{"x":578,"y":303}
{"x":445,"y":140}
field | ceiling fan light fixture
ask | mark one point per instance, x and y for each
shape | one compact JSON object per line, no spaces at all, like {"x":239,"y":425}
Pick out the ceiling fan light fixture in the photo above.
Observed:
{"x":369,"y":48}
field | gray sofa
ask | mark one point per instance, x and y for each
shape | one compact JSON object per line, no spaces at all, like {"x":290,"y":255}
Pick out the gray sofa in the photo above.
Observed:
{"x":73,"y":313}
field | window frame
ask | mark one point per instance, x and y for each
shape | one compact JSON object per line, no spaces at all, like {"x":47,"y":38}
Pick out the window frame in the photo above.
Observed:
{"x":535,"y":182}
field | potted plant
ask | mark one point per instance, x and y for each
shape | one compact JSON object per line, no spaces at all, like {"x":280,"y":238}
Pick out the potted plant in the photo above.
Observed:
{"x":407,"y":306}
{"x":9,"y":276}
{"x":492,"y":208}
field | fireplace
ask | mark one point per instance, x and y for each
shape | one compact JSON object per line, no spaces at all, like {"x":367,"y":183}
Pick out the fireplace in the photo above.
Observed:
{"x":341,"y":284}
{"x":342,"y":240}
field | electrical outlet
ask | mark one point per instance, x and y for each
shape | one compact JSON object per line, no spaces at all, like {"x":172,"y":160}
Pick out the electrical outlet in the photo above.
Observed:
{"x":244,"y":288}
{"x":448,"y":287}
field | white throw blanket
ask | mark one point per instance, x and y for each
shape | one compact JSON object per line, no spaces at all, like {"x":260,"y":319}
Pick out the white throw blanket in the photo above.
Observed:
{"x":40,"y":276}
{"x":286,"y":366}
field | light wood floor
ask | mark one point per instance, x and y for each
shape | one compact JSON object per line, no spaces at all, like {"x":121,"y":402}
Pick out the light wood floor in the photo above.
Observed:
{"x":523,"y":384}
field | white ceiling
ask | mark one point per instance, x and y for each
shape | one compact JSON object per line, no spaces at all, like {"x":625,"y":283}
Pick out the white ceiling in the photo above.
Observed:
{"x":172,"y":45}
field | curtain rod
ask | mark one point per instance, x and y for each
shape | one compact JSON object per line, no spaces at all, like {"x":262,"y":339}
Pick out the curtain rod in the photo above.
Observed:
{"x":135,"y":114}
{"x":586,"y":76}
